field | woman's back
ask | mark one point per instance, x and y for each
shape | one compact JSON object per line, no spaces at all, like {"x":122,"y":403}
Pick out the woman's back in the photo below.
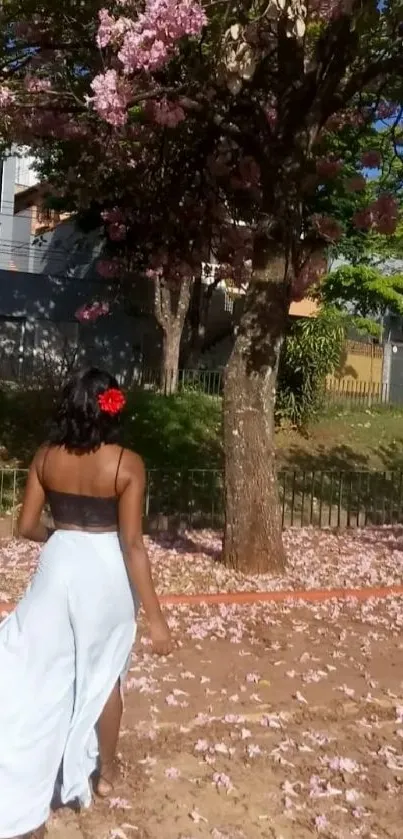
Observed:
{"x":82,"y":489}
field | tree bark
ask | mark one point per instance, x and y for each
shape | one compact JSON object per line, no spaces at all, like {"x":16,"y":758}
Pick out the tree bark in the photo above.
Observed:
{"x":198,"y":317}
{"x":253,"y":527}
{"x":169,"y":374}
{"x":171,"y":308}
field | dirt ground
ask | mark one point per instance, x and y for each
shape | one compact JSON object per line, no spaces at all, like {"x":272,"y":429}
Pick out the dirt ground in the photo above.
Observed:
{"x":275,"y":720}
{"x":269,"y":721}
{"x":189,"y":564}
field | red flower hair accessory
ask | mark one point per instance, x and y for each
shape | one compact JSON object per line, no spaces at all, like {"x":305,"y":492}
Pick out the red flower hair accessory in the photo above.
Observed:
{"x":111,"y":401}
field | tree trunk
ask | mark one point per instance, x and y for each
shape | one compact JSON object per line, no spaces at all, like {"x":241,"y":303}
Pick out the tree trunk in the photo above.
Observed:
{"x":198,"y":318}
{"x":169,"y":374}
{"x":171,"y":308}
{"x":253,"y":528}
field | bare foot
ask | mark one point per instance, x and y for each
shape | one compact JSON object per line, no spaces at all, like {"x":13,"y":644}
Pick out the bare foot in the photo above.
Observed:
{"x":106,"y":779}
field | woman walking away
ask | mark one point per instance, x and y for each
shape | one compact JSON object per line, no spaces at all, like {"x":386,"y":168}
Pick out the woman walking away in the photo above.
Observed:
{"x":66,"y":648}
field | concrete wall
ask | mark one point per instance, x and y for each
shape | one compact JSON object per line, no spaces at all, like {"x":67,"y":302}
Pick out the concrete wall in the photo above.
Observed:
{"x":361,"y":368}
{"x":37,"y":321}
{"x":7,"y":192}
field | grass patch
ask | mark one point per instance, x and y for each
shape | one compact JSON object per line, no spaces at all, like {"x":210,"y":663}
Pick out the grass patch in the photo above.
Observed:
{"x":184,"y":432}
{"x":349,"y":440}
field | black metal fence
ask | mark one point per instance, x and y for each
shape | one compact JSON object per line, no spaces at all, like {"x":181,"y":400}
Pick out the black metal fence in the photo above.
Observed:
{"x":343,"y":393}
{"x":210,"y":382}
{"x":346,"y":393}
{"x":195,"y":498}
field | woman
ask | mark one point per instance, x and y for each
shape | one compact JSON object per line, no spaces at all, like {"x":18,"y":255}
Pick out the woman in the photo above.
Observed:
{"x":66,"y":648}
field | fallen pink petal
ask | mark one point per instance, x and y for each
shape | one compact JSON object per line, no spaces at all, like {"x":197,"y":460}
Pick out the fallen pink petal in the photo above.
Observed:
{"x":300,"y":720}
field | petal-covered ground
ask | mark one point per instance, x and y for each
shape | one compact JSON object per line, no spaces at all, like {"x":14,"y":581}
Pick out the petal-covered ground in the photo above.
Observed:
{"x":190,"y":564}
{"x":278,"y":721}
{"x":268,"y":721}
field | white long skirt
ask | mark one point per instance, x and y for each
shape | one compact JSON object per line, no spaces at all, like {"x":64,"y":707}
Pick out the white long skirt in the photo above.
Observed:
{"x":61,"y":652}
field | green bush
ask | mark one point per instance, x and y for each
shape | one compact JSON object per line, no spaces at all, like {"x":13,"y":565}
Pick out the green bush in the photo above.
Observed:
{"x":171,"y":432}
{"x":311,"y":351}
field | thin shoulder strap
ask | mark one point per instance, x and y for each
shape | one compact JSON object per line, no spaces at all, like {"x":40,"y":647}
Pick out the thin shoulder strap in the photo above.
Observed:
{"x":117,"y":471}
{"x":45,"y":457}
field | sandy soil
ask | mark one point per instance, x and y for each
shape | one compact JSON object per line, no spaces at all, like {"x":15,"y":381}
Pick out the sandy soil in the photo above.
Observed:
{"x":271,"y":721}
{"x":277,"y":721}
{"x":190,"y":564}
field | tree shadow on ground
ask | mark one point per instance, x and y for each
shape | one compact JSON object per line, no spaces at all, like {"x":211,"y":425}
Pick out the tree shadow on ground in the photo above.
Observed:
{"x":391,"y":455}
{"x":184,"y":544}
{"x":337,"y":488}
{"x":325,"y":459}
{"x":390,"y":538}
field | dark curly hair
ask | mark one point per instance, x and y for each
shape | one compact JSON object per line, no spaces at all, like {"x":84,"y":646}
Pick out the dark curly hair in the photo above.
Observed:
{"x":79,"y":424}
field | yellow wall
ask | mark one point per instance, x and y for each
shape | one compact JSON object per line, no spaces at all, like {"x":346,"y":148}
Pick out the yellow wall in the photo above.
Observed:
{"x":304,"y":308}
{"x":361,"y":369}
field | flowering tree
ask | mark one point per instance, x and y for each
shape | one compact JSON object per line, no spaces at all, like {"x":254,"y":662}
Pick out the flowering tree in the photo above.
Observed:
{"x":255,"y":93}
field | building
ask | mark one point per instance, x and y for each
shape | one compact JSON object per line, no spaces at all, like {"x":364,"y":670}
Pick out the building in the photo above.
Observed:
{"x":48,"y":270}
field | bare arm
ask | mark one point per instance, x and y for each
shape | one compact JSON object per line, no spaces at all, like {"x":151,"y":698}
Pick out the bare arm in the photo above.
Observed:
{"x":132,"y":477}
{"x":29,"y":523}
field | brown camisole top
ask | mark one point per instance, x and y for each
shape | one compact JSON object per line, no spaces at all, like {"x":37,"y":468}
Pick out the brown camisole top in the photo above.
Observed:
{"x":84,"y":512}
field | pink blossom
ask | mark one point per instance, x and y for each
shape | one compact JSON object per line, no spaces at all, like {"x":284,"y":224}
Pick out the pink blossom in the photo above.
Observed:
{"x":113,"y":215}
{"x":271,"y":116}
{"x":249,"y":171}
{"x":371,"y":159}
{"x":196,"y":817}
{"x":88,"y":313}
{"x":153,"y":37}
{"x":271,"y":112}
{"x":356,"y":184}
{"x":111,"y":29}
{"x":386,"y":110}
{"x":117,"y":232}
{"x":167,"y":113}
{"x":309,"y":274}
{"x":352,"y":796}
{"x":253,"y":750}
{"x":253,"y":678}
{"x":321,"y":823}
{"x":223,"y":781}
{"x":34,"y":84}
{"x":386,"y":213}
{"x":326,"y":10}
{"x":107,"y":268}
{"x":112,"y":95}
{"x":344,"y":764}
{"x":105,"y":28}
{"x":7,"y":96}
{"x":172,"y":773}
{"x":119,"y":804}
{"x":362,"y":220}
{"x":328,"y":227}
{"x":382,"y":215}
{"x":328,"y":168}
{"x":201,"y":746}
{"x":154,"y":273}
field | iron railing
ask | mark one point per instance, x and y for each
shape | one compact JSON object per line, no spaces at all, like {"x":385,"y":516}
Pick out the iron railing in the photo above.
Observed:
{"x":210,"y":382}
{"x":353,"y":393}
{"x":346,"y":392}
{"x":194,"y":498}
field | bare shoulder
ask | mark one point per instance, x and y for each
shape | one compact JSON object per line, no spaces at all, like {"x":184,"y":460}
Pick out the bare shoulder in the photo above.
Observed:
{"x":132,"y":465}
{"x":39,"y":457}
